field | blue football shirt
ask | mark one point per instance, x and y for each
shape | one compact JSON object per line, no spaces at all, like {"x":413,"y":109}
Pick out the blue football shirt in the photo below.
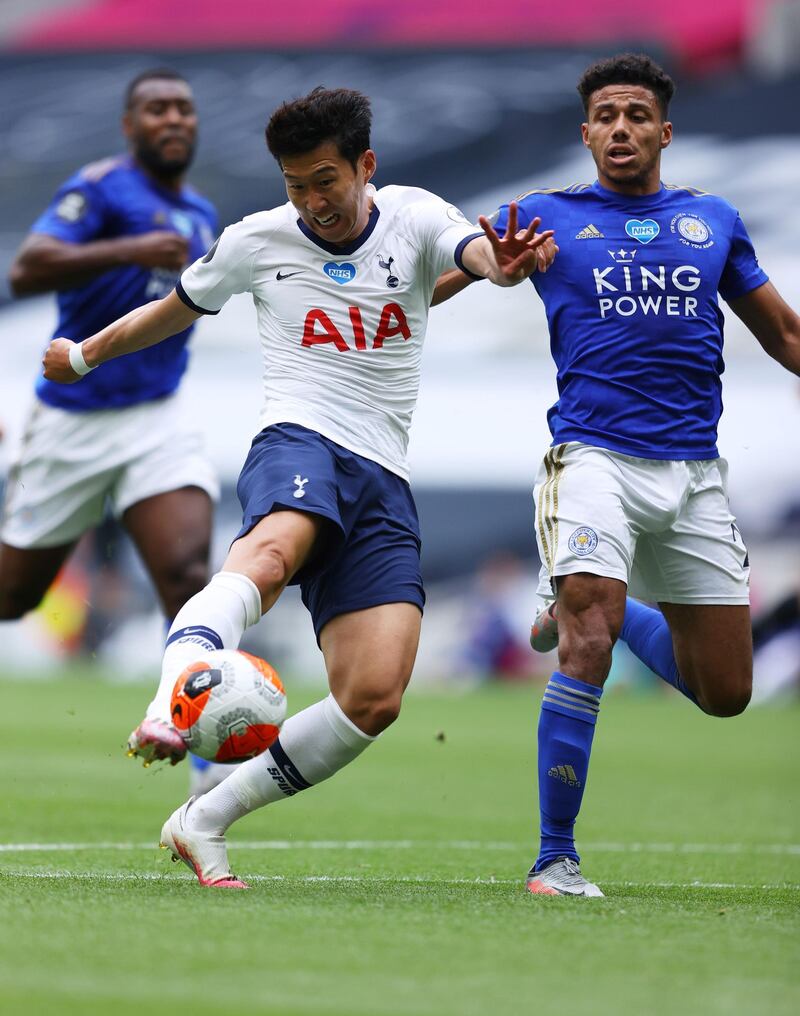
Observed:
{"x":636,"y":330}
{"x":102,"y":201}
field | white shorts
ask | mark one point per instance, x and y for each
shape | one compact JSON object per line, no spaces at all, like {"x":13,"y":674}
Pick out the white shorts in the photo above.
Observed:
{"x":663,"y":527}
{"x":69,"y":463}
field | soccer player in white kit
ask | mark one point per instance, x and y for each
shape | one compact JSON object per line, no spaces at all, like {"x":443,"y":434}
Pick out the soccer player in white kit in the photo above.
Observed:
{"x":342,"y":278}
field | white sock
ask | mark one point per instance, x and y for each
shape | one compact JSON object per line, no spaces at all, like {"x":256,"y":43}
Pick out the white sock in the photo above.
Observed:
{"x":314,"y":744}
{"x":214,"y":618}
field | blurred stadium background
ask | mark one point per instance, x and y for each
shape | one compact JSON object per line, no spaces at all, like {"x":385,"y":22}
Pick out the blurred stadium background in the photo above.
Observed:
{"x":476,"y":102}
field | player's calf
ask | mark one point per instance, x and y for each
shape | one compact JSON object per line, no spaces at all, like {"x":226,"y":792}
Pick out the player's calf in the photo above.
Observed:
{"x":713,"y":653}
{"x":722,"y":681}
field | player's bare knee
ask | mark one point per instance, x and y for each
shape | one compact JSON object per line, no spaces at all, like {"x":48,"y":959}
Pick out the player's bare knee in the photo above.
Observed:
{"x":193,"y":576}
{"x":586,"y":655}
{"x":12,"y":611}
{"x":724,"y":693}
{"x":382,"y":714}
{"x":179,"y":583}
{"x":16,"y":603}
{"x":373,"y":713}
{"x":724,"y":702}
{"x":273,"y":568}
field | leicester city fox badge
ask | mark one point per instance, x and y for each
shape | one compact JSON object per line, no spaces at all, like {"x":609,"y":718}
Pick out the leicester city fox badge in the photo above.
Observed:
{"x":692,"y":230}
{"x":583,"y":541}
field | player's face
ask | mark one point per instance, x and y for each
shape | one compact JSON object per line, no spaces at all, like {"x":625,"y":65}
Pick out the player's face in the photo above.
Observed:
{"x":329,"y":193}
{"x":626,"y":133}
{"x":161,"y":126}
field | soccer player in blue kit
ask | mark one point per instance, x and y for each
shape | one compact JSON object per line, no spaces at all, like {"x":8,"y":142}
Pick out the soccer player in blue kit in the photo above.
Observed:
{"x":115,"y":237}
{"x":633,"y":491}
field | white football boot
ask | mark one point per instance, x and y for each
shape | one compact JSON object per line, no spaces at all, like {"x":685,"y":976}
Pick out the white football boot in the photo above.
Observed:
{"x":156,"y":740}
{"x":205,"y":853}
{"x":544,"y":630}
{"x":561,"y":877}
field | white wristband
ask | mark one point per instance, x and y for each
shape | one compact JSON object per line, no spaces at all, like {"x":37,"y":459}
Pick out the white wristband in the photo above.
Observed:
{"x":76,"y":360}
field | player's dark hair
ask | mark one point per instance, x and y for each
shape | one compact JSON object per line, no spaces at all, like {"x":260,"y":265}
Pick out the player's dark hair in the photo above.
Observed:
{"x":340,"y":115}
{"x":628,"y":69}
{"x":154,"y":74}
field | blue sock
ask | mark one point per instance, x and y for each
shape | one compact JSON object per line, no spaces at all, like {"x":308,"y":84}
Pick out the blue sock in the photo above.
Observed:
{"x":566,"y":729}
{"x":647,"y":635}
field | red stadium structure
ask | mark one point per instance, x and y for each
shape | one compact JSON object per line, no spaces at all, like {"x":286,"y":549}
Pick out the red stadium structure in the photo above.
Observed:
{"x":698,"y":36}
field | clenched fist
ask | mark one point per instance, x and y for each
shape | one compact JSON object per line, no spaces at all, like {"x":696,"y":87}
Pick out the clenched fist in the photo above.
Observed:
{"x":56,"y":362}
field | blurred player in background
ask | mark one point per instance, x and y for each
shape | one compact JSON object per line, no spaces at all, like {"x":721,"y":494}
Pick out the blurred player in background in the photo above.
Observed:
{"x":342,"y":277}
{"x":115,"y":237}
{"x":633,"y":489}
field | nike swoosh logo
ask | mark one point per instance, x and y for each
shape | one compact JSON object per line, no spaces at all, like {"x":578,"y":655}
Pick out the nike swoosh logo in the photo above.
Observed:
{"x":288,"y":275}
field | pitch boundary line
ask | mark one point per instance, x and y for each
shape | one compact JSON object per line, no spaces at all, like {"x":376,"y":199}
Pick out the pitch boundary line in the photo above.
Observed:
{"x":781,"y":849}
{"x":366,"y":880}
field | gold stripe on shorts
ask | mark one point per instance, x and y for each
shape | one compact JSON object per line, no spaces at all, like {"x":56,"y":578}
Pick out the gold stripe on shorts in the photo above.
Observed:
{"x":547,"y":513}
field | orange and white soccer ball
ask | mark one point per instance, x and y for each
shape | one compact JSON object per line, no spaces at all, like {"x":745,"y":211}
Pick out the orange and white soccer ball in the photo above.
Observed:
{"x":228,"y":706}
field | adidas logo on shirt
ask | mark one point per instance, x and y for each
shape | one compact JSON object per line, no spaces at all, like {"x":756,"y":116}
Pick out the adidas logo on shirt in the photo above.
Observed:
{"x":590,"y":232}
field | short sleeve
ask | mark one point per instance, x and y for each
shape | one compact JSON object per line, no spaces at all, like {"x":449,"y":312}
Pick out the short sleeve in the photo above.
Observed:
{"x":76,"y":214}
{"x":742,"y":272}
{"x":444,"y":232}
{"x":208,"y":284}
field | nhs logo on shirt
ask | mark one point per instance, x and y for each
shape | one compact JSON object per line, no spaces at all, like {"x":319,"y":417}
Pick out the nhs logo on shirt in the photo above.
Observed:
{"x":643,"y":230}
{"x":340,"y":272}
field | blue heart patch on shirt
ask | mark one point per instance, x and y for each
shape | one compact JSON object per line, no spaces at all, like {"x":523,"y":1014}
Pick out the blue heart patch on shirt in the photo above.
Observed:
{"x":643,"y":230}
{"x":341,"y":273}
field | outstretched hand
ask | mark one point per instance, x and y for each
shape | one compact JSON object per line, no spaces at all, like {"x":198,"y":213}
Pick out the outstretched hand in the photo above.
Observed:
{"x":56,"y":362}
{"x":519,"y":253}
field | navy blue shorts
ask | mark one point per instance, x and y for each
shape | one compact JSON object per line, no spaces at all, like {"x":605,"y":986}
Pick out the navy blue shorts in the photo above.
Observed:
{"x":370,"y":553}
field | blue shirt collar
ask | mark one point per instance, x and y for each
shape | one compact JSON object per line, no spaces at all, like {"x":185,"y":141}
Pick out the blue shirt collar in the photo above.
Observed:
{"x":343,"y":248}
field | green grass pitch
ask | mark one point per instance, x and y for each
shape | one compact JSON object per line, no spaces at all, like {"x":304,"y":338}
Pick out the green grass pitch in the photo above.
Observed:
{"x":397,"y":888}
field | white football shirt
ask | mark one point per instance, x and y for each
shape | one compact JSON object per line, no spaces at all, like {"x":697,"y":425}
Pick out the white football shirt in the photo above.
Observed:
{"x":341,"y":326}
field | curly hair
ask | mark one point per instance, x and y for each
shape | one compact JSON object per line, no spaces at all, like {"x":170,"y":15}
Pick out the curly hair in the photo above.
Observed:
{"x":628,"y":69}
